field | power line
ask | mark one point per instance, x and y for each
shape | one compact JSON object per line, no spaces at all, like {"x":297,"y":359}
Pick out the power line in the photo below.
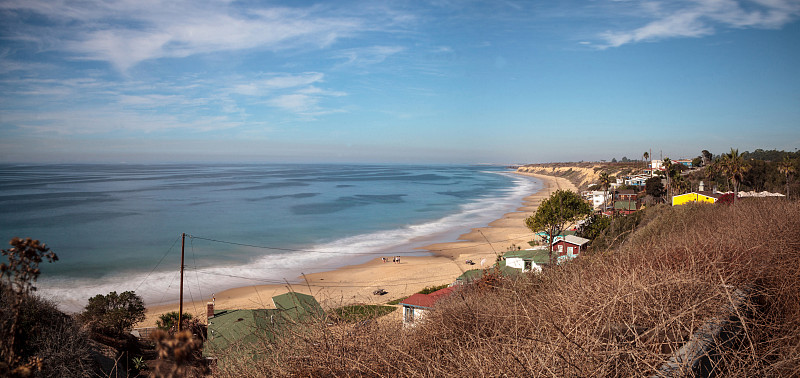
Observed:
{"x":157,"y":264}
{"x":477,"y":244}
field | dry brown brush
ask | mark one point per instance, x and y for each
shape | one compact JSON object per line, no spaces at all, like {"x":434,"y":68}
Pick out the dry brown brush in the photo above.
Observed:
{"x":621,"y":312}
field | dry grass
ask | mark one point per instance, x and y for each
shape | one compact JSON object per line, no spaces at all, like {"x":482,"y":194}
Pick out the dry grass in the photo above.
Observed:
{"x":622,"y":312}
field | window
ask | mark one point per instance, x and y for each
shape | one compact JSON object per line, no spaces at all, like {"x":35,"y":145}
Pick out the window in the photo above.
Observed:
{"x":569,"y":250}
{"x":409,"y":314}
{"x":560,"y":248}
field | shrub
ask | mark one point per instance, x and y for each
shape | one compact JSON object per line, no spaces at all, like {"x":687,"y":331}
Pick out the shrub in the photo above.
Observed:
{"x":169,"y":320}
{"x":113,"y":314}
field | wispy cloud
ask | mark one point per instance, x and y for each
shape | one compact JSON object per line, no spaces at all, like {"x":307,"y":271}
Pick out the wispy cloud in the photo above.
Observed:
{"x":365,"y":56}
{"x":127,"y":32}
{"x":703,"y":17}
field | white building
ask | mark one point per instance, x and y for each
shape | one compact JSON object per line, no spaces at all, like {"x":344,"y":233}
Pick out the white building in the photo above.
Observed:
{"x":595,"y":197}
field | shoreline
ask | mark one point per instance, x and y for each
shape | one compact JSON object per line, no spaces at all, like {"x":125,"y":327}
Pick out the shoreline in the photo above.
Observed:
{"x":353,"y":284}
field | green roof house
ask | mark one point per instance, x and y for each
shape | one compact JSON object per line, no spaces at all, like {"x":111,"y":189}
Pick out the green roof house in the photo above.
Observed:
{"x":238,"y":330}
{"x":527,"y":260}
{"x":469,"y":276}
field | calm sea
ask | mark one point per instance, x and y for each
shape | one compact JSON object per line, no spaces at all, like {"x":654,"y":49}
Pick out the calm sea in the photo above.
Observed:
{"x":118,"y":227}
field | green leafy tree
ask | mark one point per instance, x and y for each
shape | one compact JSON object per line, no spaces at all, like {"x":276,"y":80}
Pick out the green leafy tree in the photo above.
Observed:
{"x":555,"y":213}
{"x":654,"y":187}
{"x":594,"y":226}
{"x":707,"y":157}
{"x":170,"y":319}
{"x":113,"y":314}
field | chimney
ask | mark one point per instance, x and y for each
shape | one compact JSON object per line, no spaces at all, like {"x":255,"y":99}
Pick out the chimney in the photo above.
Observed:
{"x":210,"y":307}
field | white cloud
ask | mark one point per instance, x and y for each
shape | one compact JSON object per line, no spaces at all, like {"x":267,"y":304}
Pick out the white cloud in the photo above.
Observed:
{"x":126,"y":32}
{"x":367,"y":55}
{"x":703,"y":17}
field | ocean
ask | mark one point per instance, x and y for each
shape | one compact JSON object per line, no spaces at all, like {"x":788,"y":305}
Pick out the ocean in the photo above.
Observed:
{"x":118,"y":227}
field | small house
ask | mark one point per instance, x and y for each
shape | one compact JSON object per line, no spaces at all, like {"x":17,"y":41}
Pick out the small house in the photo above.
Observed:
{"x":415,"y":306}
{"x":527,"y":260}
{"x":569,"y":247}
{"x":699,"y":196}
{"x":625,"y":207}
{"x":469,"y":276}
{"x":625,"y":195}
{"x":237,"y":330}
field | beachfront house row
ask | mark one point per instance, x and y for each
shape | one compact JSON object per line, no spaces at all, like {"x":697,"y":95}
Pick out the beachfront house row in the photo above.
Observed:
{"x":569,"y":247}
{"x":415,"y":306}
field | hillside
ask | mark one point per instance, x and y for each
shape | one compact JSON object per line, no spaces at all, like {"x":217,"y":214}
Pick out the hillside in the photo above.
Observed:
{"x":622,"y":312}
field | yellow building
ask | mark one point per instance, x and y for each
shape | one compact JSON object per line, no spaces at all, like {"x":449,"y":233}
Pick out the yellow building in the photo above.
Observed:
{"x":708,"y":197}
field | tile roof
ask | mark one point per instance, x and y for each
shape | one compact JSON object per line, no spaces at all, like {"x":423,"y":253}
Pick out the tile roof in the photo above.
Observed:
{"x":427,"y":300}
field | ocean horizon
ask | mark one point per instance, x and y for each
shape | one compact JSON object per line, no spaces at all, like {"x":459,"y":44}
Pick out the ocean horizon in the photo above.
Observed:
{"x":117,"y":227}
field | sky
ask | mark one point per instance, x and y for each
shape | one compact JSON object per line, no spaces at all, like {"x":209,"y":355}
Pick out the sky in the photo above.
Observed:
{"x":443,"y":81}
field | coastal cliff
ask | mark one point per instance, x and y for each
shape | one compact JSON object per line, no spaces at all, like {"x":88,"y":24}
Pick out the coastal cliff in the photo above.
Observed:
{"x":582,"y":174}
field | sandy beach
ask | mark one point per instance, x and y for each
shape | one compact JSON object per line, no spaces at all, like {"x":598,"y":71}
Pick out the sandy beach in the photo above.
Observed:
{"x":355,"y":283}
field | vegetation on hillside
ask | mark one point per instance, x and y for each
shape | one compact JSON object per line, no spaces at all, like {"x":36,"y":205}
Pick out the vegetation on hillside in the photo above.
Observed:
{"x":621,"y":311}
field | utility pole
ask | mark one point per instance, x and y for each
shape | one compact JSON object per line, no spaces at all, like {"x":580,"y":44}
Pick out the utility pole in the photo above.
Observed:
{"x":180,"y":308}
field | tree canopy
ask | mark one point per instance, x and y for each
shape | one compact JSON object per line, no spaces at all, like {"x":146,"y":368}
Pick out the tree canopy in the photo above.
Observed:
{"x":555,"y":213}
{"x":113,"y":314}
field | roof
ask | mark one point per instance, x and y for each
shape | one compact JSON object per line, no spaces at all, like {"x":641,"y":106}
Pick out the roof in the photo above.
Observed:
{"x":236,"y":327}
{"x":536,"y":255}
{"x":297,"y":305}
{"x":625,"y":205}
{"x":427,"y":300}
{"x":704,"y":193}
{"x":230,"y":328}
{"x":574,"y":240}
{"x":626,"y":192}
{"x":470,"y":275}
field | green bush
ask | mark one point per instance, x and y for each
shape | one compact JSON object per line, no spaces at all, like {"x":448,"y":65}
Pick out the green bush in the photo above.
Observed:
{"x":358,"y":313}
{"x":113,"y":314}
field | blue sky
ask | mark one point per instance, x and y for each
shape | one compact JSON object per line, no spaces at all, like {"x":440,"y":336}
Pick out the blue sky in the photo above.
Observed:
{"x":397,"y":81}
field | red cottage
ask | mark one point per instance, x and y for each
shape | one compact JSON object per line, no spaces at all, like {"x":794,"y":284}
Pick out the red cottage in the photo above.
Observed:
{"x":569,"y":247}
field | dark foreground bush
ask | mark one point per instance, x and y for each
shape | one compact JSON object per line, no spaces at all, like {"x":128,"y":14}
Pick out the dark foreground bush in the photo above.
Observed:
{"x":49,"y":335}
{"x":622,"y":312}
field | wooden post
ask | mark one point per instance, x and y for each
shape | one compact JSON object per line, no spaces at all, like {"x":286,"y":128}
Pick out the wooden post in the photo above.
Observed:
{"x":180,"y":308}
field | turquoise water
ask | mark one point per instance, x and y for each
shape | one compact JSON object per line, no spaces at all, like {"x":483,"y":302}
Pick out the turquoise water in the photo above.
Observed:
{"x":117,"y":227}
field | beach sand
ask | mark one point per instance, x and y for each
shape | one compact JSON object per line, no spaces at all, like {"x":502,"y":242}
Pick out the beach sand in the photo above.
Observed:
{"x":355,"y":284}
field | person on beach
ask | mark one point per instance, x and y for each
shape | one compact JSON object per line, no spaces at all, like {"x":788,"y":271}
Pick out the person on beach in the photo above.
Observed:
{"x":394,"y":260}
{"x":384,"y":260}
{"x":398,"y":259}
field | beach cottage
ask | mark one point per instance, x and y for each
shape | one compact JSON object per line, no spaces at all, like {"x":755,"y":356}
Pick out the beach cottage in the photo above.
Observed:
{"x":415,"y":306}
{"x":569,"y":247}
{"x":527,"y":260}
{"x":238,"y":330}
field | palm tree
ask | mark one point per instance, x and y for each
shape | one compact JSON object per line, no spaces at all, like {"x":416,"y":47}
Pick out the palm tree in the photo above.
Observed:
{"x":734,"y":167}
{"x":646,"y":156}
{"x":605,"y":182}
{"x":667,"y":174}
{"x":787,"y":169}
